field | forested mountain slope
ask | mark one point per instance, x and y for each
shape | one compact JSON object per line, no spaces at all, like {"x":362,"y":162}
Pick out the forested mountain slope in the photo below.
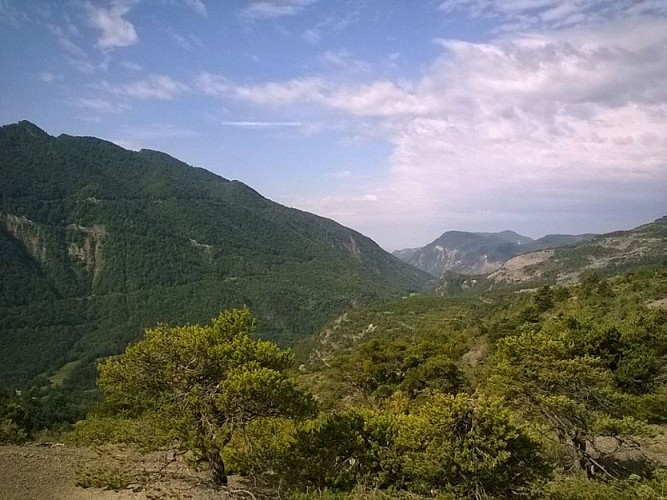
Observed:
{"x":97,"y":243}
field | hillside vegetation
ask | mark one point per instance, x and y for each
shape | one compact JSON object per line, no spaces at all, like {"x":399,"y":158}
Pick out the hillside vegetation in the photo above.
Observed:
{"x":98,"y":243}
{"x":546,"y":379}
{"x":606,"y":254}
{"x":557,"y":393}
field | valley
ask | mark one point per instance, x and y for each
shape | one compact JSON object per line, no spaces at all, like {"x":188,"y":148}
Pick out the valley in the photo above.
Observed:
{"x":98,"y":243}
{"x":484,"y":365}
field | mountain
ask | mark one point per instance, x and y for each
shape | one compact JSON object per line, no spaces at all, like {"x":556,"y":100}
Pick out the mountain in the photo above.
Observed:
{"x":463,"y":252}
{"x":478,"y":253}
{"x":605,"y":254}
{"x":556,"y":241}
{"x":97,"y":243}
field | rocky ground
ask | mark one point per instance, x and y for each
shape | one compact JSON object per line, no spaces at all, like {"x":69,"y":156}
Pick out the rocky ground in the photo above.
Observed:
{"x":57,"y":472}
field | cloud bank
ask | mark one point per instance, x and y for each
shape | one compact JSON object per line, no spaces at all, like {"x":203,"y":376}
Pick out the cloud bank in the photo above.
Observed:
{"x":571,"y":119}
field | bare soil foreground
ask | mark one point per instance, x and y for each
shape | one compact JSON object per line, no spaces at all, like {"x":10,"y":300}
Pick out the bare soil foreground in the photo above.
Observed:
{"x":57,"y":472}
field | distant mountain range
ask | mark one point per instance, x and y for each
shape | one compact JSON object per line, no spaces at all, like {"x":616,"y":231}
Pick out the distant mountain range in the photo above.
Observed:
{"x":97,"y":243}
{"x":479,"y":253}
{"x":605,"y":254}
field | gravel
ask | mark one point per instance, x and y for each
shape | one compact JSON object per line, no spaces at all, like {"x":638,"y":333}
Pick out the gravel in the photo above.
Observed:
{"x":51,"y":472}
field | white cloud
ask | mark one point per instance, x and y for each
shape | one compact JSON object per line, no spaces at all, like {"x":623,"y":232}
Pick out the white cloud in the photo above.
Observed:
{"x":73,"y":54}
{"x":311,"y":36}
{"x":525,"y":14}
{"x":159,"y":136}
{"x":115,"y":30}
{"x":155,"y":132}
{"x":342,"y":60}
{"x":211,"y":84}
{"x":81,"y":65}
{"x":153,"y":87}
{"x":331,"y":24}
{"x":197,"y":6}
{"x":100,"y":105}
{"x":270,"y":9}
{"x":283,"y":93}
{"x":260,"y":124}
{"x":185,"y":42}
{"x":131,"y":66}
{"x":72,"y":48}
{"x":375,"y":99}
{"x":180,"y":40}
{"x":49,"y":78}
{"x":341,"y":174}
{"x":552,"y":124}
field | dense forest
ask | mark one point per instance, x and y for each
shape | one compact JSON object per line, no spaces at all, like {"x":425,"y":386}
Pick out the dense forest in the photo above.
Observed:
{"x":98,"y":243}
{"x":550,"y":393}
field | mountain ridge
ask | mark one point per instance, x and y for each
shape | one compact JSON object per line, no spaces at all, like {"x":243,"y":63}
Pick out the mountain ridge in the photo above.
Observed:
{"x":98,"y":242}
{"x":475,"y":253}
{"x":606,"y":253}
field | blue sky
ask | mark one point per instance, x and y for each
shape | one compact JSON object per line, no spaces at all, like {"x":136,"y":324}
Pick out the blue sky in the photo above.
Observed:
{"x":401,"y":119}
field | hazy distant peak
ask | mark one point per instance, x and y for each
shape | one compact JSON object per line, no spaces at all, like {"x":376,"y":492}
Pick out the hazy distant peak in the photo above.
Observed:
{"x":510,"y":237}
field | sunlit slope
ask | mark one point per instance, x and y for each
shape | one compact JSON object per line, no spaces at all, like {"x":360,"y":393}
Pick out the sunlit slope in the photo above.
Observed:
{"x":97,"y":242}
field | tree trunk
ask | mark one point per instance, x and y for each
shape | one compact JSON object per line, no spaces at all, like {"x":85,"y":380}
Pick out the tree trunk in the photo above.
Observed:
{"x":584,"y":460}
{"x":206,"y":441}
{"x":217,"y":466}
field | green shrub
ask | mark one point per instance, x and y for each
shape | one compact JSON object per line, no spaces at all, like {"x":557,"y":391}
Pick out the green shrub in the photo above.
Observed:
{"x":468,"y":445}
{"x":99,"y":429}
{"x":579,"y":488}
{"x":460,"y":445}
{"x":10,"y":433}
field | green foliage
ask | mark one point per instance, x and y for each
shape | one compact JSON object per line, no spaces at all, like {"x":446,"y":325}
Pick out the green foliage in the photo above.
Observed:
{"x":261,"y":446}
{"x":423,"y":396}
{"x":469,"y":445}
{"x":595,"y":367}
{"x":335,"y":450}
{"x":577,"y":488}
{"x":364,"y":493}
{"x":11,"y":432}
{"x":97,"y":243}
{"x":141,"y":431}
{"x":460,"y":445}
{"x":414,"y":345}
{"x":574,"y":363}
{"x":381,"y":366}
{"x":202,"y":382}
{"x":436,"y":373}
{"x":327,"y":452}
{"x":25,"y":413}
{"x":14,"y":420}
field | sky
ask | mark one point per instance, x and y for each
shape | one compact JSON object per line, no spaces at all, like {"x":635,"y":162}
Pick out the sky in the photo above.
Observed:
{"x":402,"y":119}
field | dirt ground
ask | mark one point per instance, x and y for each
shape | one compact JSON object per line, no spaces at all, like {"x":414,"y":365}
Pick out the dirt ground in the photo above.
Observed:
{"x":52,"y":471}
{"x":57,"y":472}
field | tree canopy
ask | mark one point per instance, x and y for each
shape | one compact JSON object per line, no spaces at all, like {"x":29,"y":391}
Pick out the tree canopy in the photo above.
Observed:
{"x":203,"y":382}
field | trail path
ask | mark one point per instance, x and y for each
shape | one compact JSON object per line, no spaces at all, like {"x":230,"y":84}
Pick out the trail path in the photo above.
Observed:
{"x":50,"y":472}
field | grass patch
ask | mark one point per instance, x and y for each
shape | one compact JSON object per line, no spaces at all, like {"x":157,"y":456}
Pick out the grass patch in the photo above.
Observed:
{"x":63,"y":374}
